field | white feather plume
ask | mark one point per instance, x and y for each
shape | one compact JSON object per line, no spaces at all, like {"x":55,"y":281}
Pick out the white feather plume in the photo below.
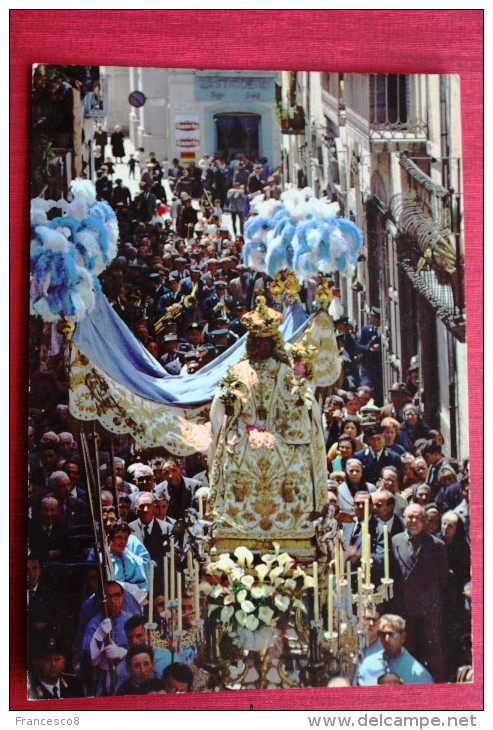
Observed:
{"x":85,"y":189}
{"x":77,"y":209}
{"x":53,"y":240}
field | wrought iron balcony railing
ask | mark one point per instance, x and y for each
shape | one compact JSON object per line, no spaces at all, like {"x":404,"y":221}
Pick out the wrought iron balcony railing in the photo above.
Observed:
{"x":391,"y":112}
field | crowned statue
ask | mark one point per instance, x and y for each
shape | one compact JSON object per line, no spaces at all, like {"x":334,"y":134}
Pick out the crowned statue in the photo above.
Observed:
{"x":267,"y":463}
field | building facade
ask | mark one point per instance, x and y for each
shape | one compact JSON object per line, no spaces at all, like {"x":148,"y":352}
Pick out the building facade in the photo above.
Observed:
{"x":388,"y":148}
{"x":189,"y":113}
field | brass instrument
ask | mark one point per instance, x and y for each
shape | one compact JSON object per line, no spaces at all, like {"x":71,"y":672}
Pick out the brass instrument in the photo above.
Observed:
{"x":191,"y":299}
{"x":173,"y":313}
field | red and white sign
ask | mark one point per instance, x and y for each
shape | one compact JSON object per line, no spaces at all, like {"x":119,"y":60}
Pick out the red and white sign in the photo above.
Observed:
{"x":187,"y":128}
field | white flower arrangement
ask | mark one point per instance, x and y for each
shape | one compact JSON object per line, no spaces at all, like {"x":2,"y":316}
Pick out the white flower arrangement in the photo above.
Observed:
{"x":253,"y":595}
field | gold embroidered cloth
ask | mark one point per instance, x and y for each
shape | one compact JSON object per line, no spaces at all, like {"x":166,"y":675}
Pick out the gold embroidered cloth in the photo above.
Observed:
{"x":267,"y":463}
{"x":96,"y":396}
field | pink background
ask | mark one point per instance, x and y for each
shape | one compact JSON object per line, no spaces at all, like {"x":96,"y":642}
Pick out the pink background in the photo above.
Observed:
{"x":404,"y":41}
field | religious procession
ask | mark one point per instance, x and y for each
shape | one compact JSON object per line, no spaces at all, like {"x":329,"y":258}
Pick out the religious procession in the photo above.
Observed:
{"x":248,"y":468}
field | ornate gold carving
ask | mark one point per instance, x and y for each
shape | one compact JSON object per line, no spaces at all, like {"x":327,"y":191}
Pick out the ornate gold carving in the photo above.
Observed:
{"x":292,"y":287}
{"x":323,"y":293}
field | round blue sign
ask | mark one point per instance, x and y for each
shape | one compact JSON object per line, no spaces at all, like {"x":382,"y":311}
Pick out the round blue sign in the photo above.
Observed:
{"x":136,"y":99}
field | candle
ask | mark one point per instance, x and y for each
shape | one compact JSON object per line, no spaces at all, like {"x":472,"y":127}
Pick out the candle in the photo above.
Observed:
{"x":316,"y":612}
{"x":172,"y":571}
{"x":364,"y":532}
{"x":178,"y":596}
{"x":201,"y":507}
{"x":367,"y":511}
{"x":349,"y":590}
{"x":365,"y":529}
{"x":368,"y":558}
{"x":330,"y":607}
{"x":386,"y":551}
{"x":196,"y":593}
{"x":166,"y":585}
{"x":151,"y":594}
{"x":189,"y":563}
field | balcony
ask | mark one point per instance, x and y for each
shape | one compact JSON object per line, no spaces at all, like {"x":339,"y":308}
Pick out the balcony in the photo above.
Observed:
{"x":292,"y":121}
{"x":428,"y":219}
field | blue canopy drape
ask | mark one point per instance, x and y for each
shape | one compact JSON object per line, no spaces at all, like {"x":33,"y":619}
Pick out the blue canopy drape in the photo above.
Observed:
{"x":106,"y":340}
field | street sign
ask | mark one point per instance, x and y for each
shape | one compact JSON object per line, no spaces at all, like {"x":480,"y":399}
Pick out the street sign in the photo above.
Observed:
{"x":136,"y":99}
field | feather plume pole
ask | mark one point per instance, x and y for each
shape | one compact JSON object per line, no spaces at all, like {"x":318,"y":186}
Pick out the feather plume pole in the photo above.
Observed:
{"x":68,"y":253}
{"x":301,"y":232}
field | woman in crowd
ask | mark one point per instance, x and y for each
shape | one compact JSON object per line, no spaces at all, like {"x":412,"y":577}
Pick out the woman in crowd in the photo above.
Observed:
{"x":412,"y":428}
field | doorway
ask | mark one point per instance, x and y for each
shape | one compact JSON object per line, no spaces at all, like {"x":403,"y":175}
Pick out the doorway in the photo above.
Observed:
{"x":237,"y":133}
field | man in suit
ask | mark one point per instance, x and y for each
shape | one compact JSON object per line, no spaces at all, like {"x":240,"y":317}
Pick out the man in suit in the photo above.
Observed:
{"x":152,"y":533}
{"x":47,"y":538}
{"x":42,"y":603}
{"x":419,"y":567}
{"x":369,"y":345}
{"x":431,"y":452}
{"x":181,"y":489}
{"x":47,"y":679}
{"x":355,"y":536}
{"x":146,"y":202}
{"x":375,"y":456}
{"x":71,"y":511}
{"x":383,"y":503}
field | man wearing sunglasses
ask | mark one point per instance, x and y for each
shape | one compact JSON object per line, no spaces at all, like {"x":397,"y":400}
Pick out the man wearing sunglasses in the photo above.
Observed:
{"x":392,"y":657}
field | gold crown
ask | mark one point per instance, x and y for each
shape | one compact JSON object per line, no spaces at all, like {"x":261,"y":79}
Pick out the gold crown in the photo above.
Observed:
{"x":303,"y":352}
{"x":262,"y":321}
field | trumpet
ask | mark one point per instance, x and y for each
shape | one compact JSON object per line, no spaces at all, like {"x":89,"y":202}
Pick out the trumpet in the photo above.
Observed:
{"x":190,"y":300}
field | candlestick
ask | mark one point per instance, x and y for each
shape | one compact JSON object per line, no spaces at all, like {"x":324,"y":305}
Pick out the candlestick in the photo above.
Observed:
{"x":330,"y":607}
{"x":341,"y":552}
{"x":360,"y":594}
{"x":316,"y":615}
{"x":349,"y":589}
{"x":172,"y":571}
{"x":189,"y":563}
{"x":196,"y":592}
{"x":386,"y":551}
{"x":151,"y":593}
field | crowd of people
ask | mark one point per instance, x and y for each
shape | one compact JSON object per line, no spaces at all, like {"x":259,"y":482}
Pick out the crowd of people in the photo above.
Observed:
{"x":181,"y":285}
